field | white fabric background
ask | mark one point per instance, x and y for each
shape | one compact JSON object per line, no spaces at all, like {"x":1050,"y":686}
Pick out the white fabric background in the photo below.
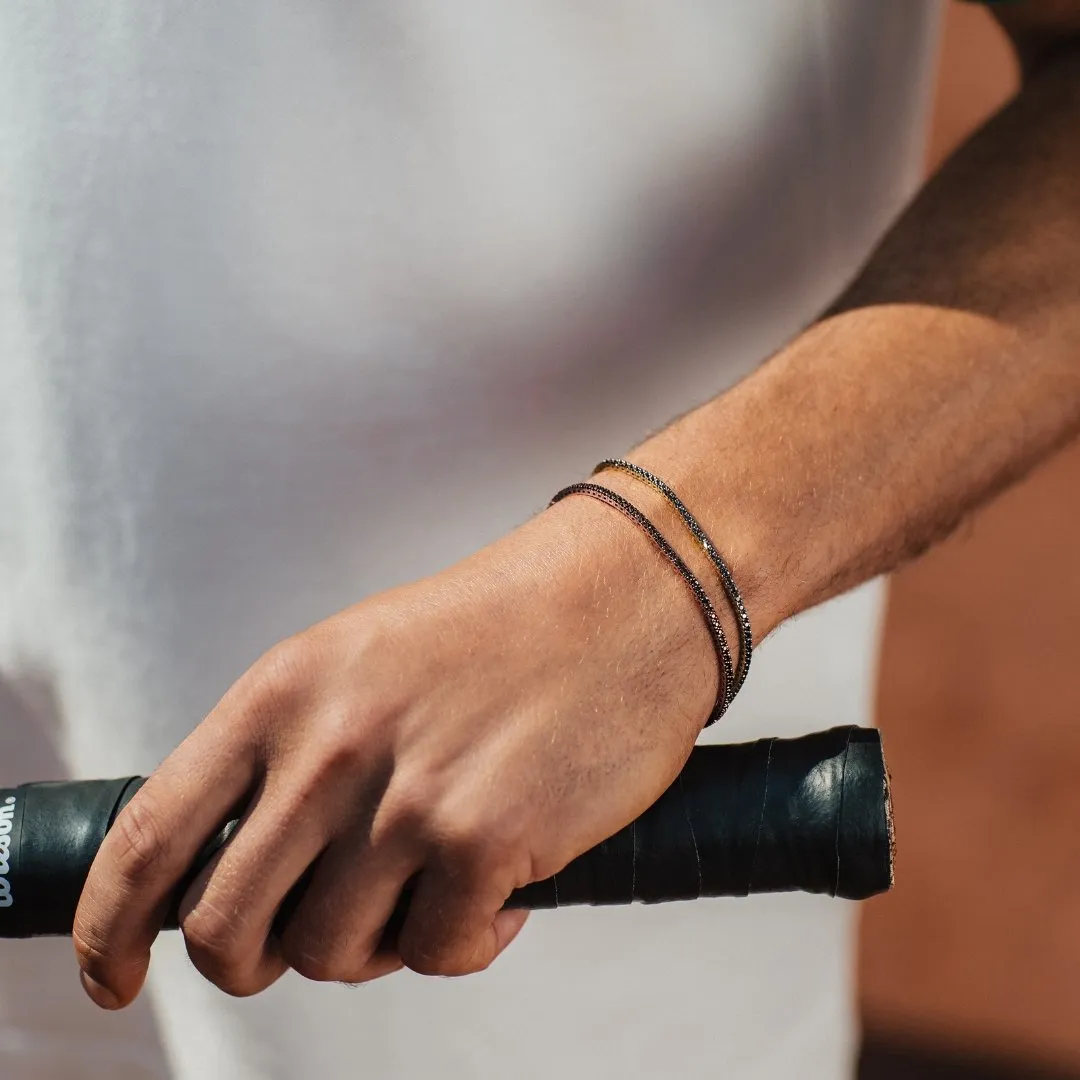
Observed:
{"x":298,"y":301}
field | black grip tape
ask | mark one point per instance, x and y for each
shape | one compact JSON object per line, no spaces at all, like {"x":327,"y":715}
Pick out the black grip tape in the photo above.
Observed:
{"x":780,"y":815}
{"x":811,"y":814}
{"x":56,"y":829}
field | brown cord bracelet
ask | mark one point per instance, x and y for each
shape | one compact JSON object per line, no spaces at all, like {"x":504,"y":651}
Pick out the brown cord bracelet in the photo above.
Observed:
{"x":716,"y":631}
{"x":746,"y":636}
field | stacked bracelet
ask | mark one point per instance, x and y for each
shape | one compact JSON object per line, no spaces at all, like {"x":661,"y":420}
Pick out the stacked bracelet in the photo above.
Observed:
{"x":731,"y":590}
{"x":726,"y":690}
{"x":731,"y":680}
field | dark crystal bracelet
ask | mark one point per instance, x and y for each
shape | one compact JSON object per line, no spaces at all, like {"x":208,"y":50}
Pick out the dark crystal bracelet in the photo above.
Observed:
{"x":731,"y":590}
{"x":716,"y":631}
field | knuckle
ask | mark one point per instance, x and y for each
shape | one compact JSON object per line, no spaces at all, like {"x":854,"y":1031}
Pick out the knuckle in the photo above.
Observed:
{"x":426,"y":959}
{"x":214,"y":948}
{"x":344,"y":752}
{"x":140,"y":842}
{"x":324,"y":953}
{"x":432,"y":960}
{"x":461,"y":831}
{"x":405,"y":812}
{"x":288,"y":668}
{"x":461,"y":838}
{"x":318,"y":966}
{"x":88,"y":951}
{"x":472,"y":851}
{"x":426,"y":963}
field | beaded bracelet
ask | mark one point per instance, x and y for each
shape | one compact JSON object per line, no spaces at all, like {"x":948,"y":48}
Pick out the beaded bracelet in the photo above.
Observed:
{"x":726,"y":690}
{"x":746,"y":637}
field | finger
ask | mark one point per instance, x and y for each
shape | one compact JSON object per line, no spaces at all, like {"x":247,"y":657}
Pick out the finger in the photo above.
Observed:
{"x":455,"y":924}
{"x":335,"y":933}
{"x":146,"y":854}
{"x":228,"y":911}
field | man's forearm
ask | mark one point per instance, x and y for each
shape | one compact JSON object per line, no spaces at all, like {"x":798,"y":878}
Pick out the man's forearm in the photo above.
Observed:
{"x":948,"y":369}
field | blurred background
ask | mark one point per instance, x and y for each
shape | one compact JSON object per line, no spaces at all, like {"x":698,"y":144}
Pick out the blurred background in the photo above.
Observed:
{"x":970,"y":968}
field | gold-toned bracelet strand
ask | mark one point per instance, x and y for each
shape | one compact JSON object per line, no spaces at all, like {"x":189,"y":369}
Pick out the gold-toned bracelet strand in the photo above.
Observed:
{"x":716,"y":630}
{"x":727,"y":580}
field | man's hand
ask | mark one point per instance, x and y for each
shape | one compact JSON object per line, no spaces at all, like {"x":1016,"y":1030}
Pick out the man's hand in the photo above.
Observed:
{"x":478,"y":730}
{"x":467,"y":734}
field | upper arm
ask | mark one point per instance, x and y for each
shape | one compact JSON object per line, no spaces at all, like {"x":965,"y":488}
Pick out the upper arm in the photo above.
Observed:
{"x":1037,"y":28}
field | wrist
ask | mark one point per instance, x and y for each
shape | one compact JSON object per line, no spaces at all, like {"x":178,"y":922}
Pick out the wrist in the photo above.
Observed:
{"x":609,"y":582}
{"x":731,"y":515}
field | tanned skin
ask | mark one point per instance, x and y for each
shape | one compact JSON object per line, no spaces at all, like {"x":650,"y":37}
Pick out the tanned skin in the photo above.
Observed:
{"x":478,"y":729}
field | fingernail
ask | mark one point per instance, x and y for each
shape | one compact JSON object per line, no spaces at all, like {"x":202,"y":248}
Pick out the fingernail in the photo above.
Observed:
{"x":100,"y":995}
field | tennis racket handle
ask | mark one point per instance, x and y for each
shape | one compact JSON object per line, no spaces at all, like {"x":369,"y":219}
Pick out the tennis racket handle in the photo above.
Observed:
{"x":811,"y":814}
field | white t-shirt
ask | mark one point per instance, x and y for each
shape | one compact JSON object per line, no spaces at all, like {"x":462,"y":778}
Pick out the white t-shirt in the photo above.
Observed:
{"x":299,"y":300}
